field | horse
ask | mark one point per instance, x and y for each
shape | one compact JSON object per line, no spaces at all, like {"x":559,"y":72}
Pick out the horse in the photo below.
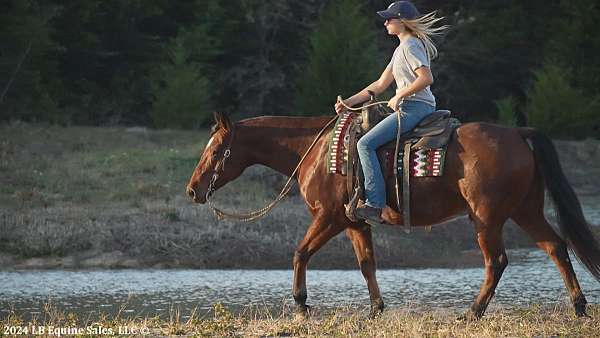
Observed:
{"x":492,"y":173}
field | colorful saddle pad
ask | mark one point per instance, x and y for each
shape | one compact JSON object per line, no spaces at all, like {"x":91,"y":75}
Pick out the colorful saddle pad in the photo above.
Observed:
{"x":423,"y":162}
{"x":337,"y":156}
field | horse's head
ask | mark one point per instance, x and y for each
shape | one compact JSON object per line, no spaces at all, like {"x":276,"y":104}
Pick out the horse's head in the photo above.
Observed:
{"x":220,"y":162}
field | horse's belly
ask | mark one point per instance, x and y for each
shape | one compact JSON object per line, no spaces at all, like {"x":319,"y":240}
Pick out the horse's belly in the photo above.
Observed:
{"x":432,"y":200}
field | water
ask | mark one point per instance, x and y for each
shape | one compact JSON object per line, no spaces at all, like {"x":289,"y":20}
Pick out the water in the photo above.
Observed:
{"x":530,"y":278}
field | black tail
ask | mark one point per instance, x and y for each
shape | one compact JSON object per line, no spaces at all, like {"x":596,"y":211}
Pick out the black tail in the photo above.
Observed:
{"x":573,"y":226}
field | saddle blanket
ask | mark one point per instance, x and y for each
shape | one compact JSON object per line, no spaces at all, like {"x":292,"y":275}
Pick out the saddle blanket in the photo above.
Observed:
{"x":337,"y":156}
{"x":423,"y":162}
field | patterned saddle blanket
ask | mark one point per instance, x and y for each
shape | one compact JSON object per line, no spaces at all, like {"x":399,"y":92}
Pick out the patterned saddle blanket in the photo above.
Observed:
{"x":424,"y":161}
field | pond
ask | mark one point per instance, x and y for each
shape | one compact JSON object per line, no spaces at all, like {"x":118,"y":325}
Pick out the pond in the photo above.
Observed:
{"x":530,"y":278}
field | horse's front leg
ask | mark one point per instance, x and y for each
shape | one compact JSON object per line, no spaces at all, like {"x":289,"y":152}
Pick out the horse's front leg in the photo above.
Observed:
{"x":319,"y":232}
{"x":363,"y":248}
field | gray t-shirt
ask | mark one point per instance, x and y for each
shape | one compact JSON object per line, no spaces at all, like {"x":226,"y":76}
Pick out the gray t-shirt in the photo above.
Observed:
{"x":409,"y":56}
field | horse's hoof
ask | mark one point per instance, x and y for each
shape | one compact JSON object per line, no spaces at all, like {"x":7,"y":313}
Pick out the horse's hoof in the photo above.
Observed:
{"x":580,"y":313}
{"x":302,"y":312}
{"x":376,"y":309}
{"x":374,"y":314}
{"x":468,"y":316}
{"x":580,"y":309}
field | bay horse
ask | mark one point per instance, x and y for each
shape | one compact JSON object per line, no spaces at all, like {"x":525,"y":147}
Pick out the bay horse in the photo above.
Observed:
{"x":491,"y":174}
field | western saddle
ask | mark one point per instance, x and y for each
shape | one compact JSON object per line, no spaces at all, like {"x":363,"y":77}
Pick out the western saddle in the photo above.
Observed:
{"x":434,"y":131}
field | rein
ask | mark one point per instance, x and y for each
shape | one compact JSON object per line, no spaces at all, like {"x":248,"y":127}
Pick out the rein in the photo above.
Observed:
{"x":363,"y":107}
{"x":248,"y":217}
{"x":253,"y":215}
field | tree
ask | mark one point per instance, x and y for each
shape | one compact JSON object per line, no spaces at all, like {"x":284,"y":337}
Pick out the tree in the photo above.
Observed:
{"x":489,"y":54}
{"x":27,"y":61}
{"x":558,"y":108}
{"x":108,"y":52}
{"x":183,"y":88}
{"x":182,"y":98}
{"x":265,"y":47}
{"x":343,"y":58}
{"x":575,"y":43}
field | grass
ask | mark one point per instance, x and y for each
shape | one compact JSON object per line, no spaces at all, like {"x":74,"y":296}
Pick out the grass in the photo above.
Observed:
{"x":78,"y":193}
{"x":532,"y":321}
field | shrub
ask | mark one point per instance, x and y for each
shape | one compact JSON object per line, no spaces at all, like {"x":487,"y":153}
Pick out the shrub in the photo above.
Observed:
{"x":558,"y":108}
{"x":506,"y":110}
{"x":182,"y":94}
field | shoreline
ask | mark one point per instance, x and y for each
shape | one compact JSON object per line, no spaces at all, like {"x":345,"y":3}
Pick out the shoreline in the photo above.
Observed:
{"x":118,"y":261}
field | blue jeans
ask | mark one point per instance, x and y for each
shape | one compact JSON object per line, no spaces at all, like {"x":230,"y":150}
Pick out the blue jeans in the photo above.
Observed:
{"x":412,"y":112}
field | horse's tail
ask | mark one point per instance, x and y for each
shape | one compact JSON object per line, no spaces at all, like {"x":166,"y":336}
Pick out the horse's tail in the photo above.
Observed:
{"x":573,"y":226}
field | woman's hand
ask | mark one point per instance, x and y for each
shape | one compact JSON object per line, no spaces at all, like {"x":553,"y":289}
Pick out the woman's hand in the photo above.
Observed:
{"x":393,"y":102}
{"x":339,"y":106}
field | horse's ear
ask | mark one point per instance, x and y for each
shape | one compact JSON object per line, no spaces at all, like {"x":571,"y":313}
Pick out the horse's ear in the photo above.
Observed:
{"x":222,"y":120}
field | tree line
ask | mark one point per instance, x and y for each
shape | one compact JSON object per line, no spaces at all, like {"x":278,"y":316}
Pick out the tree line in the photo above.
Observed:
{"x":170,"y":64}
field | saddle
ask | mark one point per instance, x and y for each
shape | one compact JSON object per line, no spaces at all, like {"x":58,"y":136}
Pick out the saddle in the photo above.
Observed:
{"x":432,"y":132}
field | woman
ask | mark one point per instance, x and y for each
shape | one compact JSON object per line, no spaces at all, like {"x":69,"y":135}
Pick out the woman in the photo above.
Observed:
{"x":410,"y":67}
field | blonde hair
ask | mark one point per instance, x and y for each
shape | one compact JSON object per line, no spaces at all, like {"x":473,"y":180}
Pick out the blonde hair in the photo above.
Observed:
{"x":422,"y":28}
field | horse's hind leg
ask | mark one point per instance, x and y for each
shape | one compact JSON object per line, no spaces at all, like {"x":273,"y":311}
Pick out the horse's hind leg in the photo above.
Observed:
{"x":531,"y":218}
{"x":363,"y":248}
{"x":319,"y":232}
{"x":490,"y":241}
{"x":488,"y":212}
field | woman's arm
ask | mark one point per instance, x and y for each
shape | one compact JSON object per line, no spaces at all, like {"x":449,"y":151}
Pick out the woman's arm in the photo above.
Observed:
{"x":376,"y":87}
{"x":424,"y":79}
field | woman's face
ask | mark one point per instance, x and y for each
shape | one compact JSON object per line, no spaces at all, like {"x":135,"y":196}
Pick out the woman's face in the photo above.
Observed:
{"x":394,"y":26}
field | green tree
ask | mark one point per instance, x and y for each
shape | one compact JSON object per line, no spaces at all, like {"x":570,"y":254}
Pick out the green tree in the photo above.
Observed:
{"x":489,"y":53}
{"x":182,"y":97}
{"x":507,"y":110}
{"x":575,"y":43}
{"x":558,"y":108}
{"x":109,"y":48}
{"x":343,"y":58}
{"x":28,"y":83}
{"x":263,"y":54}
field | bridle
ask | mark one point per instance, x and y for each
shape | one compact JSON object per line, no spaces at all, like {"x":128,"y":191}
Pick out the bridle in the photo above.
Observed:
{"x":219,"y":167}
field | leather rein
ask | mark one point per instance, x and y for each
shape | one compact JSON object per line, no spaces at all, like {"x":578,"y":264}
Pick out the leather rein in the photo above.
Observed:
{"x":253,"y":215}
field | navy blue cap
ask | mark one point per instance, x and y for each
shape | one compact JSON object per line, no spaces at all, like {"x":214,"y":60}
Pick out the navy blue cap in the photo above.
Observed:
{"x":400,"y":10}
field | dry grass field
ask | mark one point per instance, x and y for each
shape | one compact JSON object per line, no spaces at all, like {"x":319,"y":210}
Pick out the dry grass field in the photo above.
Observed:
{"x":533,"y":321}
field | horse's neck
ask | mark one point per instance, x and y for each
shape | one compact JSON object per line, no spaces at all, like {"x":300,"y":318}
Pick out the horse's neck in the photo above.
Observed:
{"x":279,"y":142}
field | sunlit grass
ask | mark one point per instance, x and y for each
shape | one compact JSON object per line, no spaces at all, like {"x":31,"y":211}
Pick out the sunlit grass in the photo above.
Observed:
{"x":532,"y":321}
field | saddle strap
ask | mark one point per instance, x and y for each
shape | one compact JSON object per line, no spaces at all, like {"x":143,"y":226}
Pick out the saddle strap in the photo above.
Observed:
{"x":352,"y":159}
{"x":406,"y":186}
{"x":353,"y":184}
{"x":396,"y":150}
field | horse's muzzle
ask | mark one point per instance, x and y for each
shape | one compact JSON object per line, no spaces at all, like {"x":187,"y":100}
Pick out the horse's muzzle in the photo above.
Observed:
{"x":198,"y":198}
